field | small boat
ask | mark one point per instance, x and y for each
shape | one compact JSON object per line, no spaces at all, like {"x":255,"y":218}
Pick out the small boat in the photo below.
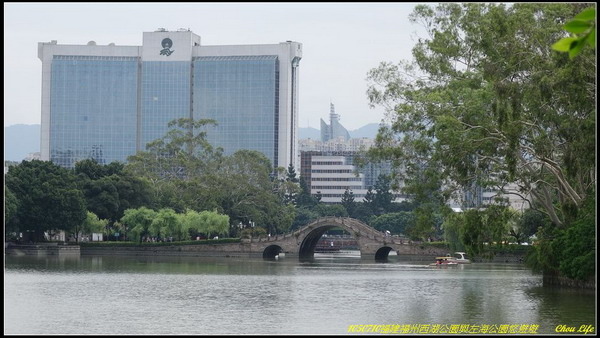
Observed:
{"x":443,"y":261}
{"x":460,"y":258}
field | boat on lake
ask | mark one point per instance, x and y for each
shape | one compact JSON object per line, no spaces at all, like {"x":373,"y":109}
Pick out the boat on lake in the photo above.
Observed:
{"x":460,"y":258}
{"x":443,"y":261}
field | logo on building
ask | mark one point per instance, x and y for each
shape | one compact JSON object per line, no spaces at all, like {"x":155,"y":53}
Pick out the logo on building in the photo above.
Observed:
{"x":167,"y":44}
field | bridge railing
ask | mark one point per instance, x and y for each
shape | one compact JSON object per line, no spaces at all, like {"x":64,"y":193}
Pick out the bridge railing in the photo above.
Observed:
{"x":356,"y":226}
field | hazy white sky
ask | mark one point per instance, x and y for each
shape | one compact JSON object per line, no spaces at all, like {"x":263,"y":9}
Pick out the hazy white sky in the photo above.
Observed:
{"x":341,"y":43}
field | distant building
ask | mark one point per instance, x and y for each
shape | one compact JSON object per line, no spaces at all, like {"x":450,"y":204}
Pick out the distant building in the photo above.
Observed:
{"x":330,"y":173}
{"x":334,"y":129}
{"x":476,"y":197}
{"x":33,"y":156}
{"x":107,"y":102}
{"x":337,"y":144}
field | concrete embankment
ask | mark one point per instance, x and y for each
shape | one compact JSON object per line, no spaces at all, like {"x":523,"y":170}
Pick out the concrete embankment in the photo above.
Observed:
{"x":47,"y":249}
{"x":203,"y":250}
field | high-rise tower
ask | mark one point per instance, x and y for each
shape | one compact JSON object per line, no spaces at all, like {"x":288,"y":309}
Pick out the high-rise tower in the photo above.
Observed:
{"x":107,"y":102}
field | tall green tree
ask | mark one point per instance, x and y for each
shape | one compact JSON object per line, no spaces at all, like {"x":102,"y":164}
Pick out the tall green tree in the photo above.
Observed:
{"x":177,"y":164}
{"x":304,"y":197}
{"x":48,"y":198}
{"x":383,"y":196}
{"x":289,"y":185}
{"x":488,"y":102}
{"x":369,"y":200}
{"x":348,"y":202}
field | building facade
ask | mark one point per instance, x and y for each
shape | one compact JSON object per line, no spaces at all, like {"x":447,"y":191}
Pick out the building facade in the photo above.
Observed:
{"x":108,"y":102}
{"x":330,"y":173}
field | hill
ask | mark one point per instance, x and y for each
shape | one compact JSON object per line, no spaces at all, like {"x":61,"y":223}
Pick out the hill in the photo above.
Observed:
{"x":370,"y":131}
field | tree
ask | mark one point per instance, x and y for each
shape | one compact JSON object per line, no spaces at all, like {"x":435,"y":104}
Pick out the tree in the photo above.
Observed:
{"x":187,"y":173}
{"x":138,"y":221}
{"x":166,"y":224}
{"x":92,"y":224}
{"x":488,"y":102}
{"x":336,"y":210}
{"x":291,"y":174}
{"x":182,"y":153}
{"x":206,"y":222}
{"x":362,"y":213}
{"x":427,"y":223}
{"x":383,"y":197}
{"x":305,"y":198}
{"x":93,"y":170}
{"x":396,"y":223}
{"x":110,"y":190}
{"x":245,"y":190}
{"x":577,"y":245}
{"x":484,"y":229}
{"x":11,"y":204}
{"x":303,"y":217}
{"x":530,"y":221}
{"x":102,"y":197}
{"x":583,"y":24}
{"x":348,"y":201}
{"x":290,"y":187}
{"x":318,"y":197}
{"x":369,"y":200}
{"x":48,"y":198}
{"x":452,"y":227}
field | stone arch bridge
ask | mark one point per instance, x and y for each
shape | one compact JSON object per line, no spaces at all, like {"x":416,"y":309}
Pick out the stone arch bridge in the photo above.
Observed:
{"x":372,"y":243}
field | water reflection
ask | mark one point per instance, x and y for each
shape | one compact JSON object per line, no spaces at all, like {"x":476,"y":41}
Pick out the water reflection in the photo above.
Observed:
{"x":200,"y":295}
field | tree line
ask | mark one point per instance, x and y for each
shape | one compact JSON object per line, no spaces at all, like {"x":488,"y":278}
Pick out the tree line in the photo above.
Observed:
{"x":499,"y":95}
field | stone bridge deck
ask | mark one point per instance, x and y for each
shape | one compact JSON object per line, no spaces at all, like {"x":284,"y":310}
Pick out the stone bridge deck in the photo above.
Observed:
{"x":371,"y":242}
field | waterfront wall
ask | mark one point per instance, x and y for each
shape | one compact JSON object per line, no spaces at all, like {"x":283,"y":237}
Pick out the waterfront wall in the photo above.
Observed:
{"x":48,"y":249}
{"x":203,"y":250}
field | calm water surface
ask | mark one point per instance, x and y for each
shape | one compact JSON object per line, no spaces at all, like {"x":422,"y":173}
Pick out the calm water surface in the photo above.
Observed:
{"x":192,"y":295}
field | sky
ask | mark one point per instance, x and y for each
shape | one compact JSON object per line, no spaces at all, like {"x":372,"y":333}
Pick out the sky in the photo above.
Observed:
{"x":341,"y":42}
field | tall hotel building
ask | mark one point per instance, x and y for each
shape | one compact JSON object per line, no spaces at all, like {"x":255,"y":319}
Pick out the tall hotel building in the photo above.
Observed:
{"x":107,"y":102}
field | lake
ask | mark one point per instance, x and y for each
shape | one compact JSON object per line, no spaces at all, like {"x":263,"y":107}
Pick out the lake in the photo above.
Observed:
{"x":333,"y":294}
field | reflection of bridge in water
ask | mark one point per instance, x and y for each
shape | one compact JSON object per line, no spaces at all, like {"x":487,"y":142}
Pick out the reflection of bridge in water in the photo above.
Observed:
{"x":370,"y":242}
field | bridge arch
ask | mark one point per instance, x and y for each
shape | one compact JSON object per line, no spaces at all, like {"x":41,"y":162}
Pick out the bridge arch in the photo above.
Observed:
{"x":271,"y":251}
{"x":382,"y":253}
{"x":372,"y":243}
